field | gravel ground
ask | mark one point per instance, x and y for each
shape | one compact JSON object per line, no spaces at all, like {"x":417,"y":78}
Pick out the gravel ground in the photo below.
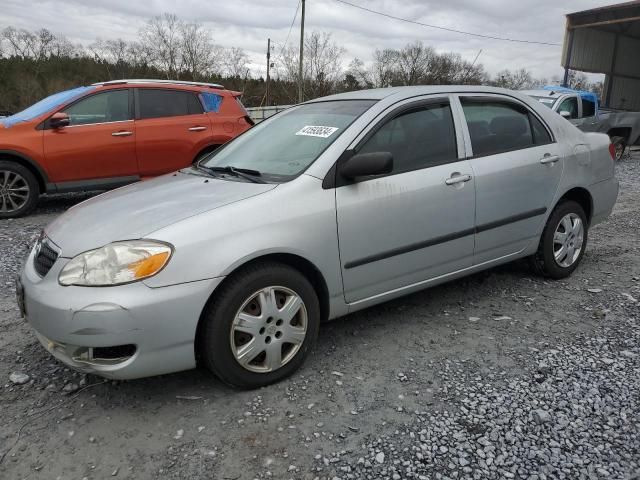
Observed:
{"x":498,"y":375}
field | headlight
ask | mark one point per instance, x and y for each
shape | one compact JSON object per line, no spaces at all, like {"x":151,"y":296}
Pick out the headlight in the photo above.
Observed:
{"x":116,"y":263}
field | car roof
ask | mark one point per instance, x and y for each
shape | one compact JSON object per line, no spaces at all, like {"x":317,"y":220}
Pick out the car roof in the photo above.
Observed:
{"x":398,"y":93}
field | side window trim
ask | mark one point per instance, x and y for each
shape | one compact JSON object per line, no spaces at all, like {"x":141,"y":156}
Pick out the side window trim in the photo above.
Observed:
{"x":496,"y":98}
{"x":46,"y":125}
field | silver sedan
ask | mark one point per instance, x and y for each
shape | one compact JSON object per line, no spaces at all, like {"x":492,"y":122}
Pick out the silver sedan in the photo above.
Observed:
{"x":324,"y":209}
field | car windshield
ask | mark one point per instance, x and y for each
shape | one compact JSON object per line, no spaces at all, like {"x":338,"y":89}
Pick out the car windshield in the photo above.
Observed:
{"x":546,"y":101}
{"x":43,"y":106}
{"x":282,"y":147}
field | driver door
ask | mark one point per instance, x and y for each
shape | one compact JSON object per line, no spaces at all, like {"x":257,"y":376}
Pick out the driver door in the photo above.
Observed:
{"x":416,"y":223}
{"x":98,"y":144}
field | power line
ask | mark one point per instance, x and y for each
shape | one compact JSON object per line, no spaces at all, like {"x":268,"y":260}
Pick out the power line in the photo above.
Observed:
{"x":445,"y":28}
{"x":295,"y":15}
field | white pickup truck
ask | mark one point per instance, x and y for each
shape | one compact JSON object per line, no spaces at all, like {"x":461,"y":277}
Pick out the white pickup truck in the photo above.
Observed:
{"x":583,"y":110}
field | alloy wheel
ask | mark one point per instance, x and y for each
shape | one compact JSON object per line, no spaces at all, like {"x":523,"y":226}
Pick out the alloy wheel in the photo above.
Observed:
{"x":568,"y":240}
{"x":14,"y":191}
{"x":269,"y":329}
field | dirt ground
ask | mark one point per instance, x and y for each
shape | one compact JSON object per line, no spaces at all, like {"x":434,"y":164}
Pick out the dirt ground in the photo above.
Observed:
{"x":369,"y":375}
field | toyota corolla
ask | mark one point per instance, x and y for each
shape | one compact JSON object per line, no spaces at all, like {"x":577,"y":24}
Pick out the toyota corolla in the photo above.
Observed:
{"x":324,"y":209}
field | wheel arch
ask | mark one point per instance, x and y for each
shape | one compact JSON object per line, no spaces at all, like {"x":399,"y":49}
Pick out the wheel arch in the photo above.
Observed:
{"x":208,"y":149}
{"x":583,"y":197}
{"x":624,"y":132}
{"x":297,"y":262}
{"x":25,"y":161}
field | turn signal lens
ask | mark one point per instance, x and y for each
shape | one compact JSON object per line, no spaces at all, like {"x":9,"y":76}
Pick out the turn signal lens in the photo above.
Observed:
{"x":612,"y":151}
{"x":149,"y":266}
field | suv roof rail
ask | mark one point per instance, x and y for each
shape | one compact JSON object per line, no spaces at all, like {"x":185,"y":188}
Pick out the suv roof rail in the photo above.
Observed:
{"x":155,"y":80}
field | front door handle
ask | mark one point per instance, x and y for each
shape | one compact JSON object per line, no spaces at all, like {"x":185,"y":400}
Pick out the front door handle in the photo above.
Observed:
{"x":549,"y":159}
{"x":457,"y":178}
{"x":122,"y":134}
{"x":197,"y":129}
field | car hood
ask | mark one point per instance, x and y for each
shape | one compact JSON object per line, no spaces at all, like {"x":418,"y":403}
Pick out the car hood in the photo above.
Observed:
{"x":136,"y":211}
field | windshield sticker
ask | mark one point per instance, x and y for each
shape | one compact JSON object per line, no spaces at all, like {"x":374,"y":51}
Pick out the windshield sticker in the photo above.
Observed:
{"x":316,"y":131}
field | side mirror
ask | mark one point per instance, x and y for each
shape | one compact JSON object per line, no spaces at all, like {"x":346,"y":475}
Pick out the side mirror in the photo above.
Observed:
{"x":365,"y":164}
{"x":565,"y":114}
{"x":59,"y":120}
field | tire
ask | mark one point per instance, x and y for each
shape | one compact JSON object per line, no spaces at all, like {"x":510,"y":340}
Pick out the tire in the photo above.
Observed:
{"x":544,"y":261}
{"x":620,"y":145}
{"x":220,"y":349}
{"x":19,"y":190}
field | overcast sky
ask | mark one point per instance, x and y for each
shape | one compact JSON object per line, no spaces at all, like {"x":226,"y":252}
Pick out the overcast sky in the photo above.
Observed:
{"x":248,"y":24}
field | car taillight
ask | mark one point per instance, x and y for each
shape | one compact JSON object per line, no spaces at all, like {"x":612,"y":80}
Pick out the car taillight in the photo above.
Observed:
{"x":612,"y":151}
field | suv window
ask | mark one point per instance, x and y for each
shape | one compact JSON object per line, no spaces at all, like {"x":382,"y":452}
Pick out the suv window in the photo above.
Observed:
{"x":588,"y":108}
{"x":500,"y":126}
{"x":569,"y":105}
{"x":156,"y":103}
{"x":418,"y":138}
{"x":110,"y":106}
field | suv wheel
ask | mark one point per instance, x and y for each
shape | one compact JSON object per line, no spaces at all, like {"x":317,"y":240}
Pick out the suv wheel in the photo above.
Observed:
{"x":260,"y":326}
{"x":620,"y":145}
{"x":563,"y":241}
{"x":19,"y":190}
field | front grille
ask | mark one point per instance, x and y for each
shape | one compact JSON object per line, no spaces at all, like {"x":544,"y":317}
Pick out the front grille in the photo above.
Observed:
{"x":45,"y":257}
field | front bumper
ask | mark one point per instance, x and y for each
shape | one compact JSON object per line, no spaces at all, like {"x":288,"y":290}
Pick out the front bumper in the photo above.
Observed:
{"x":72,"y":321}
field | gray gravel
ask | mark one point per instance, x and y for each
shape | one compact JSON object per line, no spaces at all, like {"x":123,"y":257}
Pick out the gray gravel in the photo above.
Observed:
{"x":499,"y":375}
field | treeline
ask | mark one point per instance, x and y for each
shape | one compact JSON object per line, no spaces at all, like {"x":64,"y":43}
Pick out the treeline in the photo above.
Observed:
{"x":34,"y":64}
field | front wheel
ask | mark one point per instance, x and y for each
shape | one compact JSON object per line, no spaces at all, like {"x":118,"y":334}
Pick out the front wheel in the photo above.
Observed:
{"x":19,"y":190}
{"x":563,"y":241}
{"x":260,"y":326}
{"x":620,"y":145}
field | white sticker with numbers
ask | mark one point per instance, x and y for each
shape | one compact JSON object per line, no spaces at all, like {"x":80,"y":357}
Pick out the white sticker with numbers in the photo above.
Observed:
{"x":316,"y":131}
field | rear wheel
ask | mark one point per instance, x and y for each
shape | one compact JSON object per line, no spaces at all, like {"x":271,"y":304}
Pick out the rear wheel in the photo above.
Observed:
{"x":19,"y":190}
{"x":563,"y":241}
{"x":620,"y":145}
{"x":260,"y":326}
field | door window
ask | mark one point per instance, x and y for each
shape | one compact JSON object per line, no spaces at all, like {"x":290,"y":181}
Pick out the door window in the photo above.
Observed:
{"x":501,"y":126}
{"x":156,"y":103}
{"x":588,"y":108}
{"x":110,"y":106}
{"x":417,"y":138}
{"x":569,"y":105}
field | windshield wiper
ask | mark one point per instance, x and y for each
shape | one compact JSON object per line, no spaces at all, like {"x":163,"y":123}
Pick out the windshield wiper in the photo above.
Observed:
{"x":247,"y":173}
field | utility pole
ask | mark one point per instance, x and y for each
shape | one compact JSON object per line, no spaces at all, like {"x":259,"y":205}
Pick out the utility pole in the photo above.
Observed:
{"x":300,"y":79}
{"x":267,"y":92}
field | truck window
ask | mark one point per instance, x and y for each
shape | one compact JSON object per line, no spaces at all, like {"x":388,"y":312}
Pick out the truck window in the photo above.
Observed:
{"x":588,"y":108}
{"x":569,"y":105}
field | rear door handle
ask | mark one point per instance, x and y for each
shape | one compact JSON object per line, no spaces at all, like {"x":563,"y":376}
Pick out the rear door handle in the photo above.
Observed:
{"x":549,"y":159}
{"x":457,"y":178}
{"x":122,"y":134}
{"x":197,"y":129}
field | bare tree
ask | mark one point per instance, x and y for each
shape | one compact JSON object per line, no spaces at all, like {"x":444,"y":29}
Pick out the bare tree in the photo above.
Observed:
{"x":161,"y":38}
{"x":235,"y":62}
{"x":21,"y":42}
{"x":384,"y":64}
{"x":200,"y":56}
{"x":361,"y":75}
{"x":515,"y":80}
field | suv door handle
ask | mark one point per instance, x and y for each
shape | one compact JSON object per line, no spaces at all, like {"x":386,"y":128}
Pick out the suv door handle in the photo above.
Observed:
{"x":197,"y":129}
{"x":121,"y":134}
{"x":457,"y":178}
{"x":549,"y":159}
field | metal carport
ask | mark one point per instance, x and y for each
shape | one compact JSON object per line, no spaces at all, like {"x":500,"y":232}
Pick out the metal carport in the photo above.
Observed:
{"x":607,"y":40}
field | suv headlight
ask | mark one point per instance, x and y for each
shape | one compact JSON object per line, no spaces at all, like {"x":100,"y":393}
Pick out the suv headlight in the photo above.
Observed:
{"x":116,"y":263}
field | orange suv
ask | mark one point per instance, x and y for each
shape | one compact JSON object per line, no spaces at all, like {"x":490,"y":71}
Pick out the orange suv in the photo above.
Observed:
{"x":110,"y":134}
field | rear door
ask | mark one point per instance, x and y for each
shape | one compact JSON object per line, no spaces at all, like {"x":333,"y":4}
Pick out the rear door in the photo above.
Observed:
{"x":417,"y":222}
{"x":171,"y":128}
{"x":517,"y":167}
{"x":99,"y":142}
